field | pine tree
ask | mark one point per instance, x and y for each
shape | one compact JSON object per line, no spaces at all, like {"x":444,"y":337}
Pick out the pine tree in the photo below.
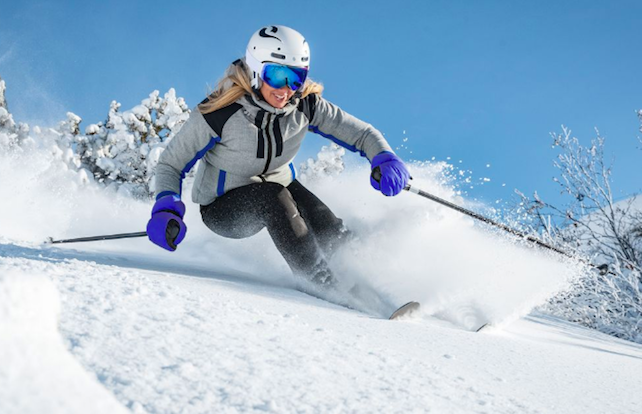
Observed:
{"x":6,"y":120}
{"x":124,"y":150}
{"x":121,"y":152}
{"x":9,"y":131}
{"x":3,"y":101}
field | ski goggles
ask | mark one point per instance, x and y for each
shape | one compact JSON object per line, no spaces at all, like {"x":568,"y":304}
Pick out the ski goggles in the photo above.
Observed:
{"x":278,"y":76}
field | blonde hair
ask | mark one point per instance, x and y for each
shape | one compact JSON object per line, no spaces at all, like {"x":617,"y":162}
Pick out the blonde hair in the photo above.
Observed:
{"x":236,"y":83}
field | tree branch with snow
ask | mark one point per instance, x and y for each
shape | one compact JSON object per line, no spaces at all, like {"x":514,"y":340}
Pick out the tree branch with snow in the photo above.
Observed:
{"x":594,"y":225}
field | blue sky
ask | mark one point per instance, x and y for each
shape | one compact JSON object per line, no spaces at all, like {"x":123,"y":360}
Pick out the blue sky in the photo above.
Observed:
{"x":483,"y":82}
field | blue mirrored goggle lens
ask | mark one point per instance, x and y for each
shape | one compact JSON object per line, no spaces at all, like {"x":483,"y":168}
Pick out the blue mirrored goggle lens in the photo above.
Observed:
{"x":278,"y":76}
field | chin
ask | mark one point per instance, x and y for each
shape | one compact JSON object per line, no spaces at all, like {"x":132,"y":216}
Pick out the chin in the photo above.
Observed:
{"x":278,"y":105}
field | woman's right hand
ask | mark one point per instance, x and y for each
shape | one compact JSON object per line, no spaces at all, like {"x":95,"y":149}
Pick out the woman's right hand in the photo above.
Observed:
{"x":389,"y":174}
{"x":166,"y":227}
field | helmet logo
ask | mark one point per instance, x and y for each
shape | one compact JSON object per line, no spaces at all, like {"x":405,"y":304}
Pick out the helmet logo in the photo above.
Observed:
{"x":263,"y":33}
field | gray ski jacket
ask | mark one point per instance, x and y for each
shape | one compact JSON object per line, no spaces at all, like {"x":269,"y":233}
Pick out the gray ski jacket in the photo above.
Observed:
{"x":250,"y":141}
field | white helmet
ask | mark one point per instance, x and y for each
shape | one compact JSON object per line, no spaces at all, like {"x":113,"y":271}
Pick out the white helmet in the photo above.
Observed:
{"x":277,"y":44}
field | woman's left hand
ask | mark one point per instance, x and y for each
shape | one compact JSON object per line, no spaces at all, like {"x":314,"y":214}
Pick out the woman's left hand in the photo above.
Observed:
{"x":393,"y":174}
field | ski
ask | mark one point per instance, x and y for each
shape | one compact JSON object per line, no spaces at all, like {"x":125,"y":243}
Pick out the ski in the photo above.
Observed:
{"x":483,"y":327}
{"x":405,"y":310}
{"x":412,"y":307}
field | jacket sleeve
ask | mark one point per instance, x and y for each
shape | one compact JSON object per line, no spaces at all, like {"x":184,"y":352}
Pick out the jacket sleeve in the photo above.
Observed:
{"x":330,"y":121}
{"x":189,"y":145}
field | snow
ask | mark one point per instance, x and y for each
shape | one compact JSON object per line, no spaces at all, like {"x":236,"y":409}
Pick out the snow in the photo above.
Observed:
{"x":218,"y":326}
{"x":171,"y":339}
{"x":37,"y":373}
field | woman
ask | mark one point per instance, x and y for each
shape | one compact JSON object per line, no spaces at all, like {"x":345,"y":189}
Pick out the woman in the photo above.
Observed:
{"x":246,"y":134}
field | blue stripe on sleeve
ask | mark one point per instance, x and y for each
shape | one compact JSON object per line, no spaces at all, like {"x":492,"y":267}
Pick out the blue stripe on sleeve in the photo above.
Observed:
{"x":293,"y":171}
{"x":165,"y":193}
{"x":336,"y":140}
{"x":220,"y":189}
{"x":200,"y":154}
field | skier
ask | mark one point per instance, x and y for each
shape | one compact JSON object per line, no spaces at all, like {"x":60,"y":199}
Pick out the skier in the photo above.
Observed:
{"x":246,"y":134}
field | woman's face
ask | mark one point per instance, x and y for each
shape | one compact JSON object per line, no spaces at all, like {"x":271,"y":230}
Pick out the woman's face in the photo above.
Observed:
{"x":278,"y":98}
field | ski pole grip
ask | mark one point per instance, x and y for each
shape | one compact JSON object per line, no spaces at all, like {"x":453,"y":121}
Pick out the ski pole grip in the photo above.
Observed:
{"x":376,"y":174}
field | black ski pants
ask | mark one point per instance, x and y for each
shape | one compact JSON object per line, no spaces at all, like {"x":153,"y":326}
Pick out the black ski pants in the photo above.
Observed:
{"x":302,"y":227}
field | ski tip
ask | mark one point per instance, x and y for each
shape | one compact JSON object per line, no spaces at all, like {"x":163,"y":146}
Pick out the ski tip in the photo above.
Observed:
{"x":484,"y":327}
{"x":405,"y":310}
{"x":49,"y":240}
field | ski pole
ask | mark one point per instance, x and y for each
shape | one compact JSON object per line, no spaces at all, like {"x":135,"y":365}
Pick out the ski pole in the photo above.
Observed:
{"x":97,"y":238}
{"x":486,"y":220}
{"x":603,"y":269}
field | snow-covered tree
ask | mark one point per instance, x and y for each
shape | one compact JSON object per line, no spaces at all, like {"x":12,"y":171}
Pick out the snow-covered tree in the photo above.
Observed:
{"x":6,"y":120}
{"x":3,"y":88}
{"x":9,"y":131}
{"x":329,"y":162}
{"x":595,"y":226}
{"x":591,"y":221}
{"x":121,"y":151}
{"x":124,"y":149}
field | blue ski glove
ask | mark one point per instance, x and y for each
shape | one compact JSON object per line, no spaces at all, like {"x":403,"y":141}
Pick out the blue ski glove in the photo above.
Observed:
{"x":394,"y":175}
{"x":166,"y":227}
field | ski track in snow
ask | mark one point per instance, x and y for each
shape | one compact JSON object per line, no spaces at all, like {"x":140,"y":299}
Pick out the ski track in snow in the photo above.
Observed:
{"x":193,"y":342}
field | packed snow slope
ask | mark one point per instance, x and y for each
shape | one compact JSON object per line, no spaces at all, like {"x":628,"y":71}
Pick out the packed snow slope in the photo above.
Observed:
{"x":219,"y":326}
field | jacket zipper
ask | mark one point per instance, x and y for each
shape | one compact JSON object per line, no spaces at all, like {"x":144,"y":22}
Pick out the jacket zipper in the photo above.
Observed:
{"x":269,"y":142}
